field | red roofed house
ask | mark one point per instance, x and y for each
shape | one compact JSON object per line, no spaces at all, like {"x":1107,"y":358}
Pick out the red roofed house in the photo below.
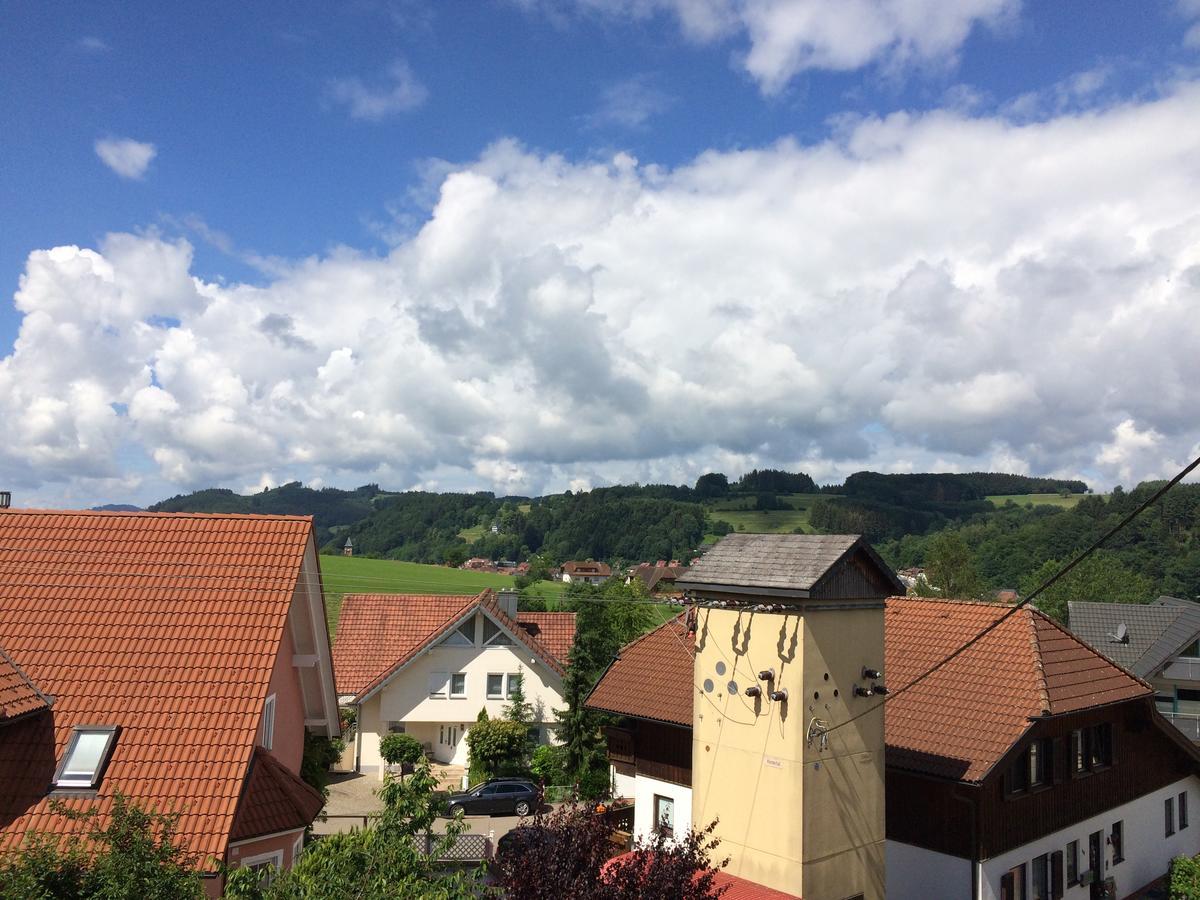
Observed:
{"x":426,"y":666}
{"x":1029,"y":766}
{"x":175,"y":658}
{"x":588,"y":572}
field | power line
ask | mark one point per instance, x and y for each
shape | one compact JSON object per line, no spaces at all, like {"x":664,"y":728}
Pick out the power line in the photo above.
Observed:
{"x":1016,"y":607}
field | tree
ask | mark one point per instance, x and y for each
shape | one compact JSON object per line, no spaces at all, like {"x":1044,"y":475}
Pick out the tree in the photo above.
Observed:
{"x":395,"y":858}
{"x":398,"y":749}
{"x":497,"y":747}
{"x":320,"y":753}
{"x":712,"y":484}
{"x":950,"y":568}
{"x":564,"y":854}
{"x":1100,"y":577}
{"x":134,"y":853}
{"x":518,"y":709}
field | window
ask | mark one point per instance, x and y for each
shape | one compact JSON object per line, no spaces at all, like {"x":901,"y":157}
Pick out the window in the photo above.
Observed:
{"x":268,"y":723}
{"x":88,"y":751}
{"x":664,"y":815}
{"x":396,"y":727}
{"x":1091,"y":748}
{"x":1078,"y":752}
{"x":1033,"y":768}
{"x":1073,"y":863}
{"x":462,"y":636}
{"x":495,"y":686}
{"x":458,"y":684}
{"x":297,"y":849}
{"x":1056,"y":875}
{"x":1182,"y":806}
{"x":267,"y":866}
{"x":437,"y":683}
{"x":1116,"y":838}
{"x":1169,"y":815}
{"x":514,"y":681}
{"x":1012,"y":884}
{"x":1041,"y":877}
{"x":1039,"y":759}
{"x":493,"y":636}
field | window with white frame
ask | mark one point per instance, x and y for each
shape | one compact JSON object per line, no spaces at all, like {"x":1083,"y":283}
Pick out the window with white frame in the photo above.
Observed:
{"x":664,"y":815}
{"x":297,"y":848}
{"x":268,"y":724}
{"x":87,"y":754}
{"x":267,"y":865}
{"x":438,"y":682}
{"x":462,"y":636}
{"x":495,"y":685}
{"x":458,"y":684}
{"x":514,"y":683}
{"x":493,"y":635}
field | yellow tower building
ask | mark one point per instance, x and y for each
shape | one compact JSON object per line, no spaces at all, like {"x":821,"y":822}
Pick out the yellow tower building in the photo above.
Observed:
{"x":787,"y":734}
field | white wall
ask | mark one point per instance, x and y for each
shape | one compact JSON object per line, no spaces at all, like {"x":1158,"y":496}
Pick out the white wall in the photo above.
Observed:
{"x":914,"y":873}
{"x":623,"y":785}
{"x":406,"y":698}
{"x":644,"y":790}
{"x":1148,"y":852}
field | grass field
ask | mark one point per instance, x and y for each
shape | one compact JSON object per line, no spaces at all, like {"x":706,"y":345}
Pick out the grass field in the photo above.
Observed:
{"x":740,"y":513}
{"x":341,"y":575}
{"x":1038,"y":499}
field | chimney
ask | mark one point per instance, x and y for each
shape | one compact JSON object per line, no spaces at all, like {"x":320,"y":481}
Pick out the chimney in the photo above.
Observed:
{"x":5,"y":499}
{"x":507,"y":601}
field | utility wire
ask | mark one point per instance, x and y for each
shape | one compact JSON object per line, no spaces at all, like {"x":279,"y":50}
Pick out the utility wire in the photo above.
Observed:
{"x":1016,"y":607}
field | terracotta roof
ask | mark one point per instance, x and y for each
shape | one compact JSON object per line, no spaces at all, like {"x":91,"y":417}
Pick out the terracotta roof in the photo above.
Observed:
{"x":652,"y":677}
{"x":775,"y":562}
{"x":167,"y":625}
{"x":957,"y":723}
{"x":554,"y":629}
{"x":731,"y":887}
{"x":961,"y":720}
{"x":380,"y":633}
{"x":653,"y":575}
{"x":275,"y":800}
{"x":587,"y":568}
{"x":18,"y":695}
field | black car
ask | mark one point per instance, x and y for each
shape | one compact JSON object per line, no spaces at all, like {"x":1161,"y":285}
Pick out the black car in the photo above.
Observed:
{"x":505,"y":796}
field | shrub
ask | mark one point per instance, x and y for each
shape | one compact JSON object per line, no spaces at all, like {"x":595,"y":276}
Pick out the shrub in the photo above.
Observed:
{"x":550,"y":764}
{"x":497,"y":747}
{"x":1183,"y":878}
{"x":400,"y":748}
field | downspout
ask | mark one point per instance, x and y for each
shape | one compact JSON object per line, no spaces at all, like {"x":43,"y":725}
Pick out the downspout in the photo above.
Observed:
{"x":358,"y":738}
{"x":975,"y":864}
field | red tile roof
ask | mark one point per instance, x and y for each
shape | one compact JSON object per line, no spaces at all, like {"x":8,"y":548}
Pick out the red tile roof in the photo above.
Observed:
{"x":18,"y":695}
{"x":165,"y":624}
{"x":732,"y":887}
{"x":378,"y":634}
{"x":958,"y":722}
{"x":961,"y":720}
{"x":275,"y":800}
{"x":587,"y":569}
{"x":652,"y":677}
{"x":554,"y":629}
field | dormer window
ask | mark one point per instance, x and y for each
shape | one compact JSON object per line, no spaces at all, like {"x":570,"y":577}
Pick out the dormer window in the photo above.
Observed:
{"x":493,"y":635}
{"x":88,"y":752}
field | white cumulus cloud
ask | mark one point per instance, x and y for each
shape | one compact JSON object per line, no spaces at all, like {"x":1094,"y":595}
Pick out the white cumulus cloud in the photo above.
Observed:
{"x":125,"y":156}
{"x":937,"y":291}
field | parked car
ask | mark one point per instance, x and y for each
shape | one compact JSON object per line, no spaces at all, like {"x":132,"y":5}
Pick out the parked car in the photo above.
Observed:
{"x":500,"y":796}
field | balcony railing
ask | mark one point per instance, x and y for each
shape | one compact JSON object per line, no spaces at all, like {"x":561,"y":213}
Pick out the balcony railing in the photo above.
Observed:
{"x":1188,"y":723}
{"x":621,"y":747}
{"x":1182,"y":669}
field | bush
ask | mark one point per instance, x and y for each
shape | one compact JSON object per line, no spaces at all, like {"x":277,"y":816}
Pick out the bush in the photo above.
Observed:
{"x":1183,"y":878}
{"x":595,"y":783}
{"x":320,"y":753}
{"x":400,"y":748}
{"x":550,"y":764}
{"x":497,"y":747}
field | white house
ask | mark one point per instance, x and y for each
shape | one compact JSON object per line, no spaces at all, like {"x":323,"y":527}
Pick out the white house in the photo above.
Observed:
{"x":426,"y":666}
{"x":588,"y":572}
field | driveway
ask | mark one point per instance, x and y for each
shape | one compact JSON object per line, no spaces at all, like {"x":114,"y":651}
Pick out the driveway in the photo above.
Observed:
{"x":352,"y":801}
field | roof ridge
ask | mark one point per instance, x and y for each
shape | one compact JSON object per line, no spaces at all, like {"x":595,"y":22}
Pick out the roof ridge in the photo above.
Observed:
{"x":1039,"y":668}
{"x":960,"y":601}
{"x":145,"y":513}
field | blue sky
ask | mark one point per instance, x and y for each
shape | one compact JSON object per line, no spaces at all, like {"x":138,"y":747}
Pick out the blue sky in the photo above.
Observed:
{"x":277,"y":142}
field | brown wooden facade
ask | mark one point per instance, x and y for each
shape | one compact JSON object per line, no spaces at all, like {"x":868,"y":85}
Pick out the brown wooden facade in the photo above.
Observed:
{"x":653,"y":749}
{"x":982,"y":821}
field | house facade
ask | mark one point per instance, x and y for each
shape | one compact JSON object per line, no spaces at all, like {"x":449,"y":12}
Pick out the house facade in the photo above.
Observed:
{"x":1029,"y":766}
{"x":181,"y":659}
{"x":587,"y":572}
{"x":427,"y":665}
{"x":1159,"y":642}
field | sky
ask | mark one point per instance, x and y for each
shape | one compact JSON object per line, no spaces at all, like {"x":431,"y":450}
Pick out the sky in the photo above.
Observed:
{"x":526,"y":245}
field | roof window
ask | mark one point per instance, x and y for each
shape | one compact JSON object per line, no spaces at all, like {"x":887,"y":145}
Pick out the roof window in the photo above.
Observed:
{"x":88,"y":752}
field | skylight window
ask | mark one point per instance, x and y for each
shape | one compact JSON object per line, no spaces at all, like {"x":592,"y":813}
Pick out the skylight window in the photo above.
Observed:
{"x":88,"y":752}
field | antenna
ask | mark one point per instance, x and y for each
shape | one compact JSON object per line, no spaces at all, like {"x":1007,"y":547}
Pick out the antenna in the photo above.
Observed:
{"x":1122,"y":635}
